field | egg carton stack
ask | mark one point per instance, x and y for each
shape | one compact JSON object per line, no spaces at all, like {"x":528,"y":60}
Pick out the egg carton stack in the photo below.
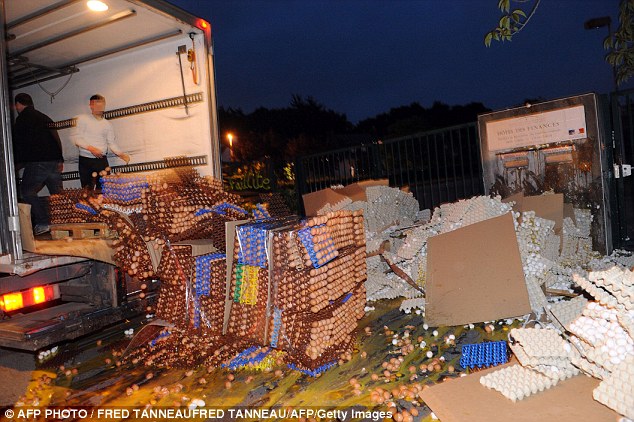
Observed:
{"x":564,"y":312}
{"x":316,"y":339}
{"x":383,"y":208}
{"x":604,"y":336}
{"x":122,"y":192}
{"x":343,"y":204}
{"x":600,"y":336}
{"x":406,"y":248}
{"x":176,"y":271}
{"x":516,"y":382}
{"x":411,"y":255}
{"x":534,"y":234}
{"x":191,"y":306}
{"x":250,"y":281}
{"x":601,"y":340}
{"x":130,"y":250}
{"x":469,"y":211}
{"x":411,"y":252}
{"x":612,"y":287}
{"x":169,"y":200}
{"x":74,"y":206}
{"x":410,"y":246}
{"x":275,"y":205}
{"x":384,"y":284}
{"x":191,"y":296}
{"x":193,"y":208}
{"x":416,"y":240}
{"x":386,"y":212}
{"x":576,"y":239}
{"x":544,"y":351}
{"x":307,"y":299}
{"x":544,"y":360}
{"x":386,"y":207}
{"x":416,"y":305}
{"x":622,"y":258}
{"x":209,"y":292}
{"x":615,"y":391}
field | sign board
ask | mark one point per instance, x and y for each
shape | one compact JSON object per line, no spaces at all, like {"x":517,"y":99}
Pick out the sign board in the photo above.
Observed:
{"x":561,"y":125}
{"x":554,"y":146}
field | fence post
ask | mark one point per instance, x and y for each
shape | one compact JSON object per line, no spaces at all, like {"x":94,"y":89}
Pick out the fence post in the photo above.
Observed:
{"x":375,"y":160}
{"x":270,"y":171}
{"x":300,"y":184}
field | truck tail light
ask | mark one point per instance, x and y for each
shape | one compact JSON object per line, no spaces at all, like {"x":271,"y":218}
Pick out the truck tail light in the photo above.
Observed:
{"x":11,"y":302}
{"x":33,"y":296}
{"x":39,"y":295}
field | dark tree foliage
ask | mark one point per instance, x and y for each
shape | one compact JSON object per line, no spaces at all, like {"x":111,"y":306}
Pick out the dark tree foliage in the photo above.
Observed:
{"x":620,"y":44}
{"x":414,"y":118}
{"x":306,"y":127}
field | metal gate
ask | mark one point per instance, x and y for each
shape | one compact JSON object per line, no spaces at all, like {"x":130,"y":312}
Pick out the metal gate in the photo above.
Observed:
{"x":622,"y":131}
{"x":438,"y":166}
{"x":445,"y":165}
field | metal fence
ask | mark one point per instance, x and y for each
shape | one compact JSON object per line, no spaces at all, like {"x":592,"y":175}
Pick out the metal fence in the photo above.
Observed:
{"x":438,"y":166}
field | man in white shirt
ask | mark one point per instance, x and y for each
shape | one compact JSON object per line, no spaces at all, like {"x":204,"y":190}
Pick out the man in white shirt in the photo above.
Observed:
{"x":95,"y":136}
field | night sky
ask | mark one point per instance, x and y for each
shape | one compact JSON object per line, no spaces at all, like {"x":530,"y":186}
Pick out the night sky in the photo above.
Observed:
{"x":362,"y":58}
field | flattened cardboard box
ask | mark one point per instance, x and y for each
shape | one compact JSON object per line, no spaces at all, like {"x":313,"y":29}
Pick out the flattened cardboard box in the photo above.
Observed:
{"x":547,"y":206}
{"x":230,"y":236}
{"x":314,"y":201}
{"x":550,"y":207}
{"x":464,"y":399}
{"x":356,"y":191}
{"x":475,"y":274}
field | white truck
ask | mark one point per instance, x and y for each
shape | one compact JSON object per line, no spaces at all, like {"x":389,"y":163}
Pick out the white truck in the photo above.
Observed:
{"x":153,"y":62}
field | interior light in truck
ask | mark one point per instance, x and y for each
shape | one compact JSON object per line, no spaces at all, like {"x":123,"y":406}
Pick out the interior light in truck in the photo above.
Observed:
{"x":97,"y":6}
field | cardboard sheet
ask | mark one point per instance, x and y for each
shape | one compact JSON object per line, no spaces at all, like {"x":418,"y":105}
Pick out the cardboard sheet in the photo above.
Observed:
{"x":97,"y":249}
{"x":230,"y":235}
{"x":569,"y":211}
{"x":466,"y":400}
{"x":356,"y":191}
{"x":199,"y":246}
{"x":475,"y":274}
{"x":550,"y":207}
{"x":516,"y":197}
{"x":314,"y":201}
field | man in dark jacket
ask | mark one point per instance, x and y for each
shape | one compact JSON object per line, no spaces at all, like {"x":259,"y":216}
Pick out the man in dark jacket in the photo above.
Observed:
{"x":38,"y":149}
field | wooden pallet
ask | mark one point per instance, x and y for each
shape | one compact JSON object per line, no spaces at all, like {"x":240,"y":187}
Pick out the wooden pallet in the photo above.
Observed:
{"x":79,"y":231}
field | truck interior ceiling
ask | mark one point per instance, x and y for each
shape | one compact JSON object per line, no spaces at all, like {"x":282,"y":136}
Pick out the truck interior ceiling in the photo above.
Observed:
{"x":49,"y":40}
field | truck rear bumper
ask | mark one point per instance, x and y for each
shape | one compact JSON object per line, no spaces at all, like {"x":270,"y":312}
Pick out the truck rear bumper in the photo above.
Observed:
{"x":67,"y":321}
